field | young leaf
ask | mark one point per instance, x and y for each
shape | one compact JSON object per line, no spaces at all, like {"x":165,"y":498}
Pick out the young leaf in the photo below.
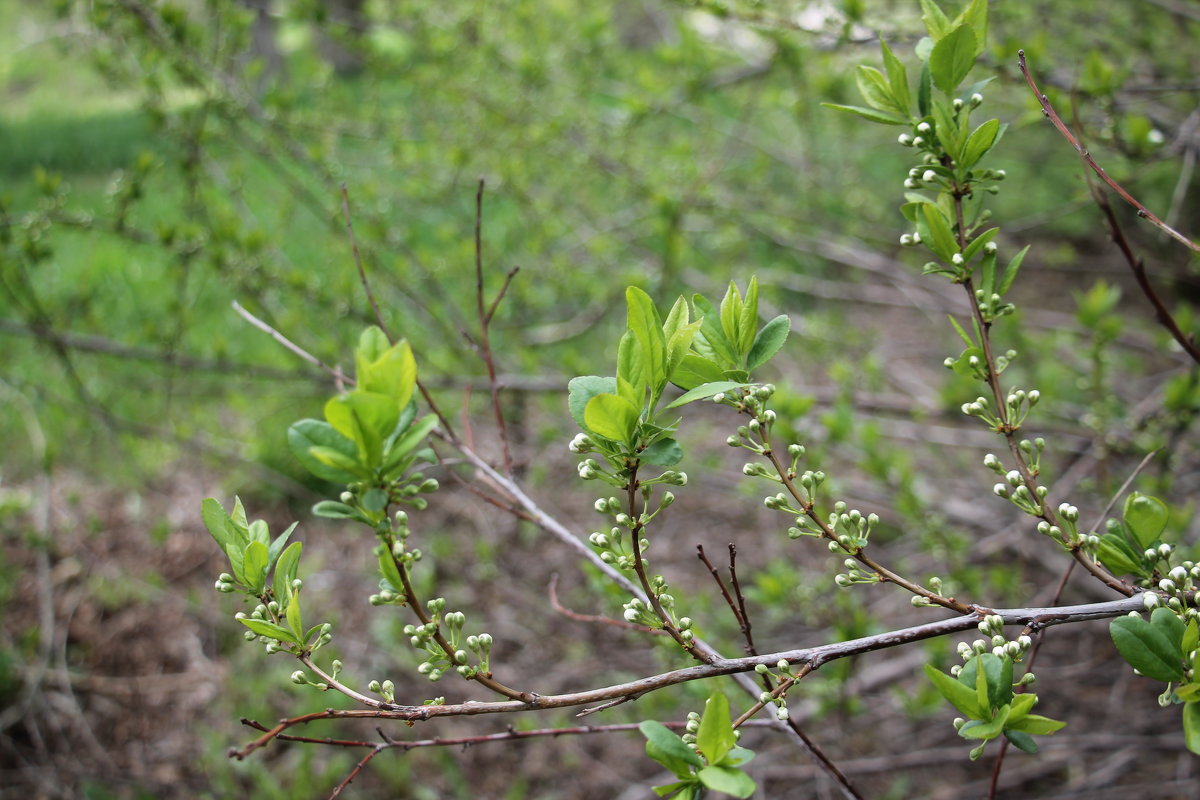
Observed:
{"x":582,"y":389}
{"x":715,"y":737}
{"x":768,"y":341}
{"x":986,"y":729}
{"x":883,"y":117}
{"x":277,"y":546}
{"x":217,"y":522}
{"x":332,"y":509}
{"x":338,"y":460}
{"x":1146,"y":648}
{"x":1021,"y":740}
{"x":981,"y":140}
{"x":703,"y":391}
{"x":1037,"y":725}
{"x":941,"y":241}
{"x":306,"y":434}
{"x":406,"y":443}
{"x":952,"y":58}
{"x":389,"y":570}
{"x":936,"y":22}
{"x":293,"y":615}
{"x":1169,"y":625}
{"x":874,"y":88}
{"x":1116,"y":554}
{"x":1010,"y":272}
{"x":285,"y":569}
{"x":897,"y":79}
{"x":612,"y":417}
{"x":925,"y":88}
{"x":643,"y":321}
{"x":961,"y":333}
{"x":747,"y":318}
{"x":976,"y":15}
{"x":254,"y":566}
{"x":668,"y":749}
{"x":663,"y":453}
{"x":956,"y":693}
{"x":730,"y":780}
{"x":1145,"y":517}
{"x":1191,"y":726}
{"x":270,"y":630}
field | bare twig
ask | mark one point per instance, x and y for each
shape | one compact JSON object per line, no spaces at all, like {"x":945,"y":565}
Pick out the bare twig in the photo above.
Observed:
{"x":1142,"y":211}
{"x":362,"y":273}
{"x":813,"y":658}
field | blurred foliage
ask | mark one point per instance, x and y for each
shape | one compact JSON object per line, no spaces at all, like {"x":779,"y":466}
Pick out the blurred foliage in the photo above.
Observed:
{"x":162,"y":159}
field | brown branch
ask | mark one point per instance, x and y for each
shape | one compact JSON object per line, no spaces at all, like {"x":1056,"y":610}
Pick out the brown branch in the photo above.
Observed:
{"x":811,"y":658}
{"x":362,"y":273}
{"x":485,"y":319}
{"x":1142,"y":211}
{"x":1138,"y":267}
{"x":552,"y":590}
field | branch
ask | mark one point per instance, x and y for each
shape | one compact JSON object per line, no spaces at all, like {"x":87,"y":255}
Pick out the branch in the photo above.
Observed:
{"x":1142,"y":211}
{"x":811,"y":659}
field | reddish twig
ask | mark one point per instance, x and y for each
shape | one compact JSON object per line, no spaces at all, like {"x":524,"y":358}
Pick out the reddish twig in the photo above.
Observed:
{"x":485,"y":319}
{"x":552,"y":590}
{"x":1142,"y":211}
{"x":362,"y":273}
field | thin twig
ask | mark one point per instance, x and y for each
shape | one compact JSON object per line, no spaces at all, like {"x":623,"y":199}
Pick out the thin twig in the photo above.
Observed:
{"x":291,"y":346}
{"x":1142,"y":211}
{"x":362,"y":273}
{"x":552,"y":590}
{"x":485,"y":319}
{"x":741,"y":600}
{"x":811,"y":657}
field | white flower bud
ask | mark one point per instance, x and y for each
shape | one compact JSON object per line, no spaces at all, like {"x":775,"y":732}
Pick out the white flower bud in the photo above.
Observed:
{"x":924,"y":127}
{"x":929,"y":175}
{"x":905,"y":139}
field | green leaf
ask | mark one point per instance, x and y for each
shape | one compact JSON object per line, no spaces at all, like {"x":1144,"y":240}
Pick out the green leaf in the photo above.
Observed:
{"x":309,"y":433}
{"x":340,"y":461}
{"x":1165,"y":622}
{"x":668,"y":749}
{"x":293,"y":615}
{"x":1010,"y":272}
{"x":1117,"y":555}
{"x":254,"y":566}
{"x":367,"y":418}
{"x":389,"y":570}
{"x":955,"y":693}
{"x":1191,"y":638}
{"x":663,"y":453}
{"x":645,"y":324}
{"x":997,"y":677}
{"x":1037,"y":725}
{"x":874,"y":88}
{"x":218,"y":524}
{"x":694,"y":370}
{"x":1021,"y":740}
{"x":736,"y":757}
{"x":981,"y":140}
{"x":631,"y":364}
{"x":711,"y":341}
{"x":582,"y":389}
{"x":332,"y":509}
{"x":729,"y":780}
{"x":936,"y":22}
{"x":952,"y":58}
{"x":277,"y":546}
{"x":883,"y":117}
{"x":978,"y":243}
{"x":390,"y":371}
{"x":1145,"y":517}
{"x":270,"y":630}
{"x":1022,"y":704}
{"x":976,"y":15}
{"x":406,"y":443}
{"x":715,"y":736}
{"x":612,"y":417}
{"x":897,"y":79}
{"x":768,"y":341}
{"x":941,"y":239}
{"x":259,"y":532}
{"x":1146,"y":648}
{"x":925,"y":88}
{"x":374,"y":500}
{"x":285,"y":569}
{"x":990,"y":729}
{"x":1191,"y":726}
{"x":747,"y":318}
{"x":703,"y":391}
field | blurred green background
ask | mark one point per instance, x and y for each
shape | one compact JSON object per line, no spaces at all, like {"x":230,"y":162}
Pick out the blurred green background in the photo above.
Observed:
{"x":160,"y":160}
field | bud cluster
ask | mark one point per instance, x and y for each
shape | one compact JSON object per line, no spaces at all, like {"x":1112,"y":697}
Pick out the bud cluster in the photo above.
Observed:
{"x":851,"y":530}
{"x":448,"y":625}
{"x":1177,"y":588}
{"x":992,"y":627}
